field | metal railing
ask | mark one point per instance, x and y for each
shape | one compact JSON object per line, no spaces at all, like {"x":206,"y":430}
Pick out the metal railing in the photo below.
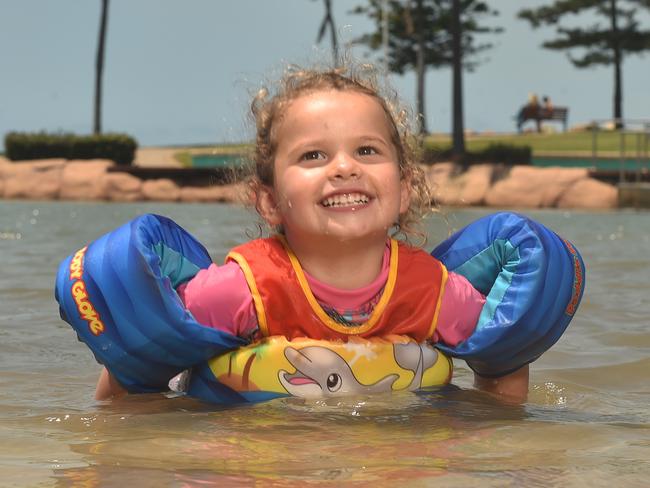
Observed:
{"x":639,"y":130}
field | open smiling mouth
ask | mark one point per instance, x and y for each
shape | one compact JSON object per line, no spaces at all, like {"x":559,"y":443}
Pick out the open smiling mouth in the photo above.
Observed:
{"x":345,"y":200}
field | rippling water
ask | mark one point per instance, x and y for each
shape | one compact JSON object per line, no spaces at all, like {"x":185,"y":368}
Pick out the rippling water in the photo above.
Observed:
{"x":586,"y":422}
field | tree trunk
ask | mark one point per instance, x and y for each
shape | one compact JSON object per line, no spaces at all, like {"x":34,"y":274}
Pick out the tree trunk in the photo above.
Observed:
{"x":420,"y":70}
{"x":458,"y":130}
{"x":618,"y":61}
{"x":330,"y":20}
{"x":99,"y":68}
{"x":421,"y":75}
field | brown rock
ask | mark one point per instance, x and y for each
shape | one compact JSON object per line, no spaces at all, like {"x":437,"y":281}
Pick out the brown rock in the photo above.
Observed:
{"x":475,"y":183}
{"x":439,"y":179}
{"x":589,"y":193}
{"x":83,"y":180}
{"x":3,"y":164}
{"x":8,"y":167}
{"x":122,"y":187}
{"x":236,"y":193}
{"x":222,"y":193}
{"x":34,"y":180}
{"x":451,"y":188}
{"x":161,"y":190}
{"x":530,"y":187}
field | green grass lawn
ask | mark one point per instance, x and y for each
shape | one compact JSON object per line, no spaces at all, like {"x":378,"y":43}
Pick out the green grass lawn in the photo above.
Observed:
{"x":184,"y":156}
{"x":570,"y":144}
{"x":566,"y":143}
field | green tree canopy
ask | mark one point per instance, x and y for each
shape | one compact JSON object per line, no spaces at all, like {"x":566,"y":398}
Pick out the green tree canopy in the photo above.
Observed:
{"x":599,"y":43}
{"x":421,"y":35}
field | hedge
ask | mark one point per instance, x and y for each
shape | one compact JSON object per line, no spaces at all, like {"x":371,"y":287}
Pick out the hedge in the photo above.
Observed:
{"x":494,"y":153}
{"x":117,"y":147}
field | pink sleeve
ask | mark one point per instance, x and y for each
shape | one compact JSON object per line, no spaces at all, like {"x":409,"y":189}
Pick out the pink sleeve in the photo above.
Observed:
{"x":219,"y":297}
{"x":459,"y":311}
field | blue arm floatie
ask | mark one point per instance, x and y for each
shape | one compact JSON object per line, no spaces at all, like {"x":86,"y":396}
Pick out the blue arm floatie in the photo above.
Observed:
{"x":119,"y":295}
{"x":533,"y":281}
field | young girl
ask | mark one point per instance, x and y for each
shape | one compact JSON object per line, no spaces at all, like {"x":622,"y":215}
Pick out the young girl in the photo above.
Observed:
{"x":336,"y":178}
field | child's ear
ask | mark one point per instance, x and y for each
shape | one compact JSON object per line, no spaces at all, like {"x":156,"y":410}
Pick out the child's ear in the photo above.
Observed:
{"x":405,"y":196}
{"x":267,"y":207}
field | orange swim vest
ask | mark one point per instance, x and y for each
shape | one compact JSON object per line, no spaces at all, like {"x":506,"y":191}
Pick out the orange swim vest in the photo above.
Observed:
{"x":285,"y":305}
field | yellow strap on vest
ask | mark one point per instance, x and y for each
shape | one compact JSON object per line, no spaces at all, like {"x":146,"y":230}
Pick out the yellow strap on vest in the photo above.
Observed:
{"x":257,"y":298}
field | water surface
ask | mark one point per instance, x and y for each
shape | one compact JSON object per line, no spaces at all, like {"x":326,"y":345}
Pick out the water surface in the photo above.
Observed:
{"x":586,"y":423}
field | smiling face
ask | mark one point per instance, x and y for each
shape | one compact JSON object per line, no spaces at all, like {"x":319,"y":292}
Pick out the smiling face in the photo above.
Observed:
{"x":336,"y":171}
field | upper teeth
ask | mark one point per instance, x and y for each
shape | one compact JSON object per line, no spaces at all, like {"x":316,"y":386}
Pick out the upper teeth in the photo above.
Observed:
{"x":345,"y":199}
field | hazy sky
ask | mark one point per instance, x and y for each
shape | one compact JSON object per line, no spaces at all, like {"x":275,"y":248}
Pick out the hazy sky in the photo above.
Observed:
{"x":181,"y":72}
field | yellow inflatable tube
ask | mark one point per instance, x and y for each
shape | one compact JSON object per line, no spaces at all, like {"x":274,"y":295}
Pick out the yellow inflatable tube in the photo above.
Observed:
{"x":307,"y":368}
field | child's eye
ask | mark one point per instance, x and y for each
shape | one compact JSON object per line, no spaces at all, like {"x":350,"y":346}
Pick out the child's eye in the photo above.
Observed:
{"x":367,"y":151}
{"x":312,"y":155}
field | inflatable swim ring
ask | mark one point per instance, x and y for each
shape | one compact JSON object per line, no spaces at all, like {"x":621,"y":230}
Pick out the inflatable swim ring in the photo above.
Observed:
{"x":118,"y":293}
{"x":307,"y":368}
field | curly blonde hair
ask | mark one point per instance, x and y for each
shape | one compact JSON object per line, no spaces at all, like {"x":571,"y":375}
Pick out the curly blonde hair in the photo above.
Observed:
{"x":267,"y":109}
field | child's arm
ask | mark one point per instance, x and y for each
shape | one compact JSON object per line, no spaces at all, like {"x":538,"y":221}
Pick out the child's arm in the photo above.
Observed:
{"x":235,"y":308}
{"x":533,"y":281}
{"x":108,"y":387}
{"x":512,"y":387}
{"x":155,"y":253}
{"x":461,"y":306}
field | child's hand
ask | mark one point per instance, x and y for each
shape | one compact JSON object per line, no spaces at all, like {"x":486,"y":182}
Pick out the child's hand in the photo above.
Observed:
{"x":108,"y":387}
{"x":511,"y":388}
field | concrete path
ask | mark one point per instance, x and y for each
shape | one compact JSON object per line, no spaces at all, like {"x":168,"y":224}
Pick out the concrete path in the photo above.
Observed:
{"x":156,"y":157}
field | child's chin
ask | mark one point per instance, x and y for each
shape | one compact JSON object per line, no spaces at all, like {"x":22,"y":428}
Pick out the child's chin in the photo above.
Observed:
{"x":347,"y":234}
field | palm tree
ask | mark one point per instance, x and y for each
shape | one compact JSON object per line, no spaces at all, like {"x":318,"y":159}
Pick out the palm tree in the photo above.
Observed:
{"x":99,"y":68}
{"x":328,"y":20}
{"x":458,"y":130}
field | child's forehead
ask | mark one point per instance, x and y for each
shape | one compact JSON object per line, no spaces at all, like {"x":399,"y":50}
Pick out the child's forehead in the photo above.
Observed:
{"x":333,"y":94}
{"x":316,"y":102}
{"x":352,"y":111}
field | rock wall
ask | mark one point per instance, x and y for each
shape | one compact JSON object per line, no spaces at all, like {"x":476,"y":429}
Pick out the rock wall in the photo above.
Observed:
{"x":59,"y":179}
{"x":481,"y":185}
{"x":519,"y":186}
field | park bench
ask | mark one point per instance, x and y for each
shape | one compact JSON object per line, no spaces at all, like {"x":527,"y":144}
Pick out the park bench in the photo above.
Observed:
{"x":538,"y":114}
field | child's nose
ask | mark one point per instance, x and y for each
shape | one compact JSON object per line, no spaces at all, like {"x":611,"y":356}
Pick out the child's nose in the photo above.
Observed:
{"x":344,"y":166}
